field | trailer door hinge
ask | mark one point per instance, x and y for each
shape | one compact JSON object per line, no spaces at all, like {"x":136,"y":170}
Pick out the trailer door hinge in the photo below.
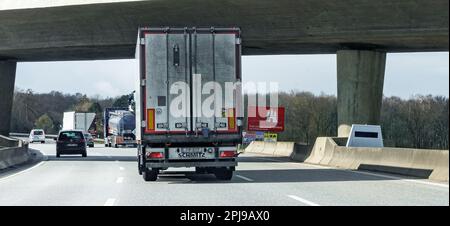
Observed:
{"x":143,"y":82}
{"x":142,"y":41}
{"x":143,"y":123}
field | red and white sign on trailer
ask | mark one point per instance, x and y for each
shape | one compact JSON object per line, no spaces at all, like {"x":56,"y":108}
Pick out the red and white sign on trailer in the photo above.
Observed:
{"x":266,"y":119}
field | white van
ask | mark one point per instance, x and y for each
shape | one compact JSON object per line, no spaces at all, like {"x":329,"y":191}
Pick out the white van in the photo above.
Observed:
{"x":37,"y":135}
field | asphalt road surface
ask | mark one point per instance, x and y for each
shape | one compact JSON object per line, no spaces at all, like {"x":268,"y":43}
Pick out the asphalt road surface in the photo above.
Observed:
{"x":109,"y":177}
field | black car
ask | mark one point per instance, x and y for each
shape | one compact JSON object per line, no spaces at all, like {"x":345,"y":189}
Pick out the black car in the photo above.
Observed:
{"x":71,"y":142}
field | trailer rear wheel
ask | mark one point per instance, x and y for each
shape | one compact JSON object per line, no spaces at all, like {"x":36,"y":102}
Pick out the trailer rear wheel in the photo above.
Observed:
{"x":140,"y":167}
{"x":223,"y":173}
{"x":150,"y":175}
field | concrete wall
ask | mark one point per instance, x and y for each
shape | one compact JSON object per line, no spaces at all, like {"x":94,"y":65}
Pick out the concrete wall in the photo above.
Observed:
{"x":9,"y":142}
{"x":414,"y":162}
{"x":12,"y":152}
{"x":432,"y":164}
{"x":360,"y":79}
{"x":7,"y":80}
{"x":13,"y":156}
{"x":284,"y":149}
{"x":82,"y":30}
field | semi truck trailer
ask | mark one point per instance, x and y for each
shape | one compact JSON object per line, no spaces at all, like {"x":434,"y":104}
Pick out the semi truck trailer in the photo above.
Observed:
{"x":78,"y":120}
{"x":119,"y":126}
{"x":188,"y":100}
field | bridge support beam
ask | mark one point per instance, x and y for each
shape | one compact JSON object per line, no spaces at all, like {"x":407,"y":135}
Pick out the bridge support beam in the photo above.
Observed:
{"x":360,"y":78}
{"x":7,"y":80}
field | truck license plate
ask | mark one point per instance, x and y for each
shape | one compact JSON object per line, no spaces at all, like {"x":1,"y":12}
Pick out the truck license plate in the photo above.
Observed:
{"x":191,"y":153}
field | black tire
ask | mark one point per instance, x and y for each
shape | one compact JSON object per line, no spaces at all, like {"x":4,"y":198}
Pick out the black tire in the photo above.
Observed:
{"x":140,"y":152}
{"x":150,"y":175}
{"x":109,"y":145}
{"x":223,"y":174}
{"x":42,"y":142}
{"x":84,"y":154}
{"x":106,"y":145}
{"x":91,"y":146}
{"x":116,"y":146}
{"x":140,"y":168}
{"x":58,"y":155}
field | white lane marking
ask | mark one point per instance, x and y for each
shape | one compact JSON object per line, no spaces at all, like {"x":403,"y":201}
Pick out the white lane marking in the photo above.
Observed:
{"x":119,"y":180}
{"x":245,"y":178}
{"x":366,"y":173}
{"x":110,"y":202}
{"x":121,"y":168}
{"x":302,"y":200}
{"x":23,"y":171}
{"x":418,"y":181}
{"x":403,"y":179}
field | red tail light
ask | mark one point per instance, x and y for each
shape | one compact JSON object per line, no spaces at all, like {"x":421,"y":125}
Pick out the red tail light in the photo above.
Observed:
{"x":155,"y":155}
{"x":227,"y":154}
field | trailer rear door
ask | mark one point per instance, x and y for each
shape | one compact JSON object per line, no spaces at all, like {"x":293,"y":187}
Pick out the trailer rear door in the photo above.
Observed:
{"x":214,"y":62}
{"x":167,"y":67}
{"x":179,"y":67}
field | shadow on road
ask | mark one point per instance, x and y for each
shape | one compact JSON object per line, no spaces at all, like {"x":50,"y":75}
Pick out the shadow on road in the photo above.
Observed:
{"x":280,"y":176}
{"x":95,"y":158}
{"x":262,"y":158}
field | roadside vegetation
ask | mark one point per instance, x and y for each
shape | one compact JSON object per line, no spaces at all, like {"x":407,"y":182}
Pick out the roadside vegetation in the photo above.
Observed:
{"x":419,"y":122}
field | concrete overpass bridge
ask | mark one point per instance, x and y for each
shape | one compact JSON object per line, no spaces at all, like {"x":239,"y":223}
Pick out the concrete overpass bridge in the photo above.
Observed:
{"x":360,"y":32}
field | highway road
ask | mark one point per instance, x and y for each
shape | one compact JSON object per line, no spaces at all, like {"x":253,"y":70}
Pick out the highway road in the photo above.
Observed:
{"x":109,"y":177}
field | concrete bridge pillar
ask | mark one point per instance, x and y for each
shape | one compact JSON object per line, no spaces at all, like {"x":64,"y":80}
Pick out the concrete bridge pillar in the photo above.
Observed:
{"x":360,"y":78}
{"x":7,"y":80}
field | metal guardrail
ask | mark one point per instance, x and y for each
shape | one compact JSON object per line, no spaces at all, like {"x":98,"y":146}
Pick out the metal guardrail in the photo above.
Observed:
{"x":27,"y":134}
{"x":49,"y":136}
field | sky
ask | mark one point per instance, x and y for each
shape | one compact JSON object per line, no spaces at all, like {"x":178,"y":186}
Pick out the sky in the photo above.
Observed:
{"x":407,"y":74}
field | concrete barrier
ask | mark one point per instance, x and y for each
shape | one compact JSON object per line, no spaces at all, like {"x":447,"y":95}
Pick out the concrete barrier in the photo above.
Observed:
{"x":425,"y":163}
{"x":9,"y":142}
{"x":13,"y":152}
{"x":431,"y":164}
{"x":13,"y":156}
{"x":284,"y":149}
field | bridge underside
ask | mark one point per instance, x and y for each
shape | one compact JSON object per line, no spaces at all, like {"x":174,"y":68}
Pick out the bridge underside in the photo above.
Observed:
{"x":108,"y":30}
{"x":361,"y":32}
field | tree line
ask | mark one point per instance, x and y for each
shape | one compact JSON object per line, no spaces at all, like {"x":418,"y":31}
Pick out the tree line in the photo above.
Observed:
{"x":45,"y":110}
{"x":419,"y":122}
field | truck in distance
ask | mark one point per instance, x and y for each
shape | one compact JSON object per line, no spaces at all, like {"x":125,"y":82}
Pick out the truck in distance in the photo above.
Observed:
{"x":78,"y":120}
{"x":118,"y":127}
{"x":184,"y":117}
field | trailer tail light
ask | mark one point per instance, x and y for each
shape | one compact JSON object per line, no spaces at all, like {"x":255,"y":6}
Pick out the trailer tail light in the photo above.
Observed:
{"x":151,"y":119}
{"x":155,"y":155}
{"x":231,"y":119}
{"x":227,"y":154}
